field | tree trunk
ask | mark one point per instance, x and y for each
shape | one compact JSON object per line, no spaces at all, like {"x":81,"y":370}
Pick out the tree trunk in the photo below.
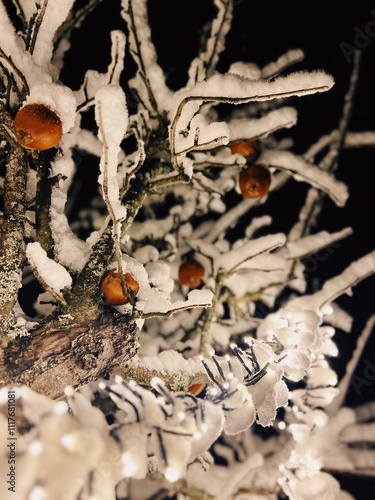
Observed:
{"x":53,"y":357}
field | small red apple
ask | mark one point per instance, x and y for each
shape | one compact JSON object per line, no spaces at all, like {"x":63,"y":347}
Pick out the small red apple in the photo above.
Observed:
{"x":37,"y":127}
{"x":191,"y":273}
{"x":112,"y":290}
{"x":255,"y":181}
{"x":247,"y":148}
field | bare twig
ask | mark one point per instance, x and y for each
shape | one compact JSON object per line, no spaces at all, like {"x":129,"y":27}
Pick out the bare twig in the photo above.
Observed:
{"x":36,"y":26}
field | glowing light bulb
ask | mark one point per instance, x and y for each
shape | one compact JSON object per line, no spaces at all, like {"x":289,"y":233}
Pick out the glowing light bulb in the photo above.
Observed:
{"x":70,"y":442}
{"x":281,"y":425}
{"x":329,"y":397}
{"x":37,"y":493}
{"x":181,"y":416}
{"x":102,"y":385}
{"x":129,"y":468}
{"x":69,"y":391}
{"x":118,"y":379}
{"x":294,"y":458}
{"x":320,"y":419}
{"x":36,"y":448}
{"x":60,"y":408}
{"x":197,"y":436}
{"x":314,"y":464}
{"x":172,"y":474}
{"x":126,"y":457}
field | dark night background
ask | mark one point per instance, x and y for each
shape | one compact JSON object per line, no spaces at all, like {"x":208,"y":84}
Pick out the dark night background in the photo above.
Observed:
{"x":261,"y":32}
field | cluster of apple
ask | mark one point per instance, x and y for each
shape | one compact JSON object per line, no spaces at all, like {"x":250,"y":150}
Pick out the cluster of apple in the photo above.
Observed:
{"x":190,"y":274}
{"x":254,"y":180}
{"x":38,"y":127}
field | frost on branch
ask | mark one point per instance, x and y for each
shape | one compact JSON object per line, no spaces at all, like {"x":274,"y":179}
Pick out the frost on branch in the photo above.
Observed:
{"x":112,"y":120}
{"x":149,"y":396}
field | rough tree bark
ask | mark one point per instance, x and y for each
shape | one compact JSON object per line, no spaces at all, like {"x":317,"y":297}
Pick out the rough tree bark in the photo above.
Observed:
{"x":84,"y":339}
{"x":53,"y":357}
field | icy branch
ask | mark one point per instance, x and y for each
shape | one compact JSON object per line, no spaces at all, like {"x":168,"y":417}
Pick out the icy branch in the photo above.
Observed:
{"x":51,"y":15}
{"x":233,"y":89}
{"x":53,"y":276}
{"x":95,"y":80}
{"x":149,"y":82}
{"x":204,"y":66}
{"x":351,"y":366}
{"x":112,"y":119}
{"x":283,"y":62}
{"x":263,"y":126}
{"x":333,"y":288}
{"x":303,"y":170}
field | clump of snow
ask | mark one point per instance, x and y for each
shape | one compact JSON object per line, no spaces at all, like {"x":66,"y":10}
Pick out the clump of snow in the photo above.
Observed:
{"x":245,"y":69}
{"x":54,"y":15}
{"x":159,"y":276}
{"x":290,"y":57}
{"x":14,"y":48}
{"x":52,"y":273}
{"x":314,"y":242}
{"x":336,"y":286}
{"x":112,"y":118}
{"x":237,"y":256}
{"x":244,"y":128}
{"x":204,"y":65}
{"x":58,"y":98}
{"x":306,"y":171}
{"x":149,"y":81}
{"x":145,"y":254}
{"x":236,"y":89}
{"x":320,"y":485}
{"x":71,"y":251}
